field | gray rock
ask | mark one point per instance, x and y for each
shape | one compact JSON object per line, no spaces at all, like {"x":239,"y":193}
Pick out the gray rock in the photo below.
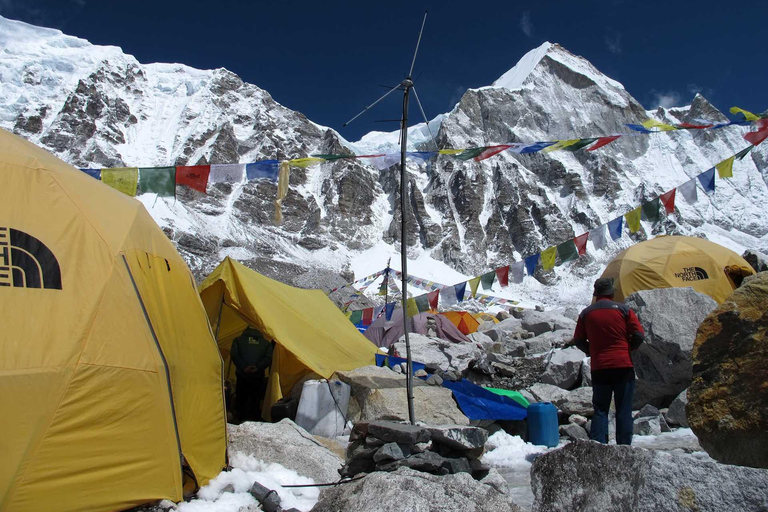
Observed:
{"x":480,"y":337}
{"x":588,"y":477}
{"x":434,"y":405}
{"x":586,"y":371}
{"x":390,"y":451}
{"x":392,"y":432}
{"x":515,"y":348}
{"x":457,"y":465}
{"x":528,"y":396}
{"x":539,"y":322}
{"x":495,"y":480}
{"x":758,"y":260}
{"x":459,"y":437}
{"x":676,"y":412}
{"x":374,"y":442}
{"x":573,"y":431}
{"x":429,"y":462}
{"x":663,"y":364}
{"x":452,"y":375}
{"x":384,"y":492}
{"x":420,"y":373}
{"x":647,"y":410}
{"x":435,"y":380}
{"x":269,"y":499}
{"x":537,"y":346}
{"x":578,"y":420}
{"x":563,"y":368}
{"x":547,"y":393}
{"x":366,"y":379}
{"x":442,"y":353}
{"x":421,"y":447}
{"x":287,"y":444}
{"x":663,"y":424}
{"x":647,"y":426}
{"x":578,"y":401}
{"x":228,"y":488}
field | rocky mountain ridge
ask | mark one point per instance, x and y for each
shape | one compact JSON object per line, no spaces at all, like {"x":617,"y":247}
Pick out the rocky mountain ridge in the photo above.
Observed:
{"x":97,"y":107}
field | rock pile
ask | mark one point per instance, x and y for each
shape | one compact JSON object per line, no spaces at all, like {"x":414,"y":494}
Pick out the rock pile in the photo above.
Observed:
{"x":728,"y":400}
{"x":388,"y":446}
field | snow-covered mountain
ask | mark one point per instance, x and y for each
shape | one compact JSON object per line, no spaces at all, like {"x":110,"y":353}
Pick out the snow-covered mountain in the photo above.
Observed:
{"x":95,"y":106}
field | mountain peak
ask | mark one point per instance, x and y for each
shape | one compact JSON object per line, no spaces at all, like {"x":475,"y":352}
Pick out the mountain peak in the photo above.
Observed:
{"x":515,"y":77}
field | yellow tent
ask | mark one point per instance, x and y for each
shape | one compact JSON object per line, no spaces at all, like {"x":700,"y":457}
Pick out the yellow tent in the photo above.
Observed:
{"x":311,"y":334}
{"x":485,"y":317}
{"x":676,"y":261}
{"x":464,"y":320}
{"x":110,"y":382}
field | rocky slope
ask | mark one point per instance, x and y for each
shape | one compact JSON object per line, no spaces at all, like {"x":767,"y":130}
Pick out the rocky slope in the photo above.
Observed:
{"x":98,"y":107}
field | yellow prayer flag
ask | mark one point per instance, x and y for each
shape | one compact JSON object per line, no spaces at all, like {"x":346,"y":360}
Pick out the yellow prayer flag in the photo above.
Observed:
{"x":123,"y":179}
{"x":450,"y":151}
{"x":548,"y":257}
{"x":725,"y":168}
{"x":747,"y":114}
{"x":305,"y":162}
{"x":633,"y":219}
{"x":283,"y":180}
{"x":411,"y":308}
{"x":561,"y":144}
{"x":652,"y":123}
{"x":473,"y":284}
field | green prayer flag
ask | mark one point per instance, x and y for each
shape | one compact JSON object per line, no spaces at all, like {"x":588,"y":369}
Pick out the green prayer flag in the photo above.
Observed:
{"x":422,"y":303}
{"x":633,"y":220}
{"x":582,"y":143}
{"x":469,"y":154}
{"x":331,"y":157}
{"x":158,"y":180}
{"x":356,"y":317}
{"x":744,"y":152}
{"x":123,"y":179}
{"x":548,"y":258}
{"x":487,"y":280}
{"x":473,"y":284}
{"x":567,"y":251}
{"x":651,"y":210}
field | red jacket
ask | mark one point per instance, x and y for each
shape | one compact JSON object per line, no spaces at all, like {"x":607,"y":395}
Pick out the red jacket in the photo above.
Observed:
{"x":607,"y":331}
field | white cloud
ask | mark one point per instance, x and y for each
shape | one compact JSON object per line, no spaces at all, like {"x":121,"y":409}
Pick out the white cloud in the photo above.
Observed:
{"x":525,"y":24}
{"x":613,"y":42}
{"x":665,"y":99}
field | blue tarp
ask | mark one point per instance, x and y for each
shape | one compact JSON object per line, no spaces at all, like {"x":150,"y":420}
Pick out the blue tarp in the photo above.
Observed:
{"x":478,"y":403}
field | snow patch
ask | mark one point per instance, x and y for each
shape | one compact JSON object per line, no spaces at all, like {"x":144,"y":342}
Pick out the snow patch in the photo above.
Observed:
{"x":515,"y":77}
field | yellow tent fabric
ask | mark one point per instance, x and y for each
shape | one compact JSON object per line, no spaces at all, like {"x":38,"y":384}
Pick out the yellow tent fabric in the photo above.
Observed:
{"x":464,"y":320}
{"x":109,"y":375}
{"x":311,"y":334}
{"x":485,"y":317}
{"x":675,"y":261}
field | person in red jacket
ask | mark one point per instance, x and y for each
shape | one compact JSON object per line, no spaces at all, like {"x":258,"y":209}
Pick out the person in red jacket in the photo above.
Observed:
{"x":607,"y":331}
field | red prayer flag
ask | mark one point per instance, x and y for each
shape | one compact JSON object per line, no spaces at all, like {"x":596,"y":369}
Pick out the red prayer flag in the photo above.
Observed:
{"x":760,"y":135}
{"x":367,"y":317}
{"x":492,"y":150}
{"x":695,"y":126}
{"x":433,"y":297}
{"x":195,"y":176}
{"x":581,"y":243}
{"x":668,"y":200}
{"x":603,"y":141}
{"x":502,"y":274}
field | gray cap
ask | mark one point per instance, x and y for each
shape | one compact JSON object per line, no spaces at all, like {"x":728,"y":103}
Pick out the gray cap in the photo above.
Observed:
{"x":604,"y":287}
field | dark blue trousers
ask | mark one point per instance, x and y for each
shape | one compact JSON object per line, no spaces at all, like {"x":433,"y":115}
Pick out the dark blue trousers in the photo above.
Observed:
{"x":618,"y":383}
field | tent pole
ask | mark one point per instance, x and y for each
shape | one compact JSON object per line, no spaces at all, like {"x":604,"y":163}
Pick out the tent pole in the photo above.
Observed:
{"x":407,"y":84}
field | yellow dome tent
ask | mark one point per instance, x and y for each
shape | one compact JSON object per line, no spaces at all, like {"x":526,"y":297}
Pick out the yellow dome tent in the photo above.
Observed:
{"x":677,"y":261}
{"x":311,"y":334}
{"x":464,"y":320}
{"x":485,"y":317}
{"x":110,"y":382}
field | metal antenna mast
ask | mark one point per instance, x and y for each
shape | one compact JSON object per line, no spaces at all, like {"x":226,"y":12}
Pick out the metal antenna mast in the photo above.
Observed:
{"x":406,"y":85}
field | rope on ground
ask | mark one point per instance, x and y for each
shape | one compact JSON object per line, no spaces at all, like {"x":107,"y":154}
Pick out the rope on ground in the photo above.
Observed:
{"x":326,"y":485}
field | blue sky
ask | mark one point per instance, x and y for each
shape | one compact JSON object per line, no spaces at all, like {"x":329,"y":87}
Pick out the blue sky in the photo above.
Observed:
{"x":328,"y":59}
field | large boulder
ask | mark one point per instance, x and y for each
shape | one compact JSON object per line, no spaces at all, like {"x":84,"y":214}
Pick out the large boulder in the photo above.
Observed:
{"x":443,"y":353}
{"x":588,"y":476}
{"x":287,"y":444}
{"x":433,"y":405}
{"x":676,"y":412}
{"x":663,"y":364}
{"x":578,"y":401}
{"x":547,"y":393}
{"x":728,"y":400}
{"x":406,"y":489}
{"x":366,"y":379}
{"x":758,"y":260}
{"x":539,"y":322}
{"x":563,"y":367}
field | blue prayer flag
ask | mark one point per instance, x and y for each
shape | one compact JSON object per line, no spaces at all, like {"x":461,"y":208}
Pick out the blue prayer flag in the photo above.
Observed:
{"x":707,"y":180}
{"x":390,"y":308}
{"x":614,"y":227}
{"x":93,"y":173}
{"x":533,"y":148}
{"x":460,"y":289}
{"x":421,"y":155}
{"x":530,"y":263}
{"x":638,"y":128}
{"x":268,"y":169}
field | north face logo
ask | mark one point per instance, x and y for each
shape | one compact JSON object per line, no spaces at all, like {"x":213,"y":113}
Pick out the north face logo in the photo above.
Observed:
{"x":25,"y":262}
{"x":692,"y":274}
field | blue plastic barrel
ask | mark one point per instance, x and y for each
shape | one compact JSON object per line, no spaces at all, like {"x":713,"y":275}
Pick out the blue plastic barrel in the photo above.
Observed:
{"x":542,"y":424}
